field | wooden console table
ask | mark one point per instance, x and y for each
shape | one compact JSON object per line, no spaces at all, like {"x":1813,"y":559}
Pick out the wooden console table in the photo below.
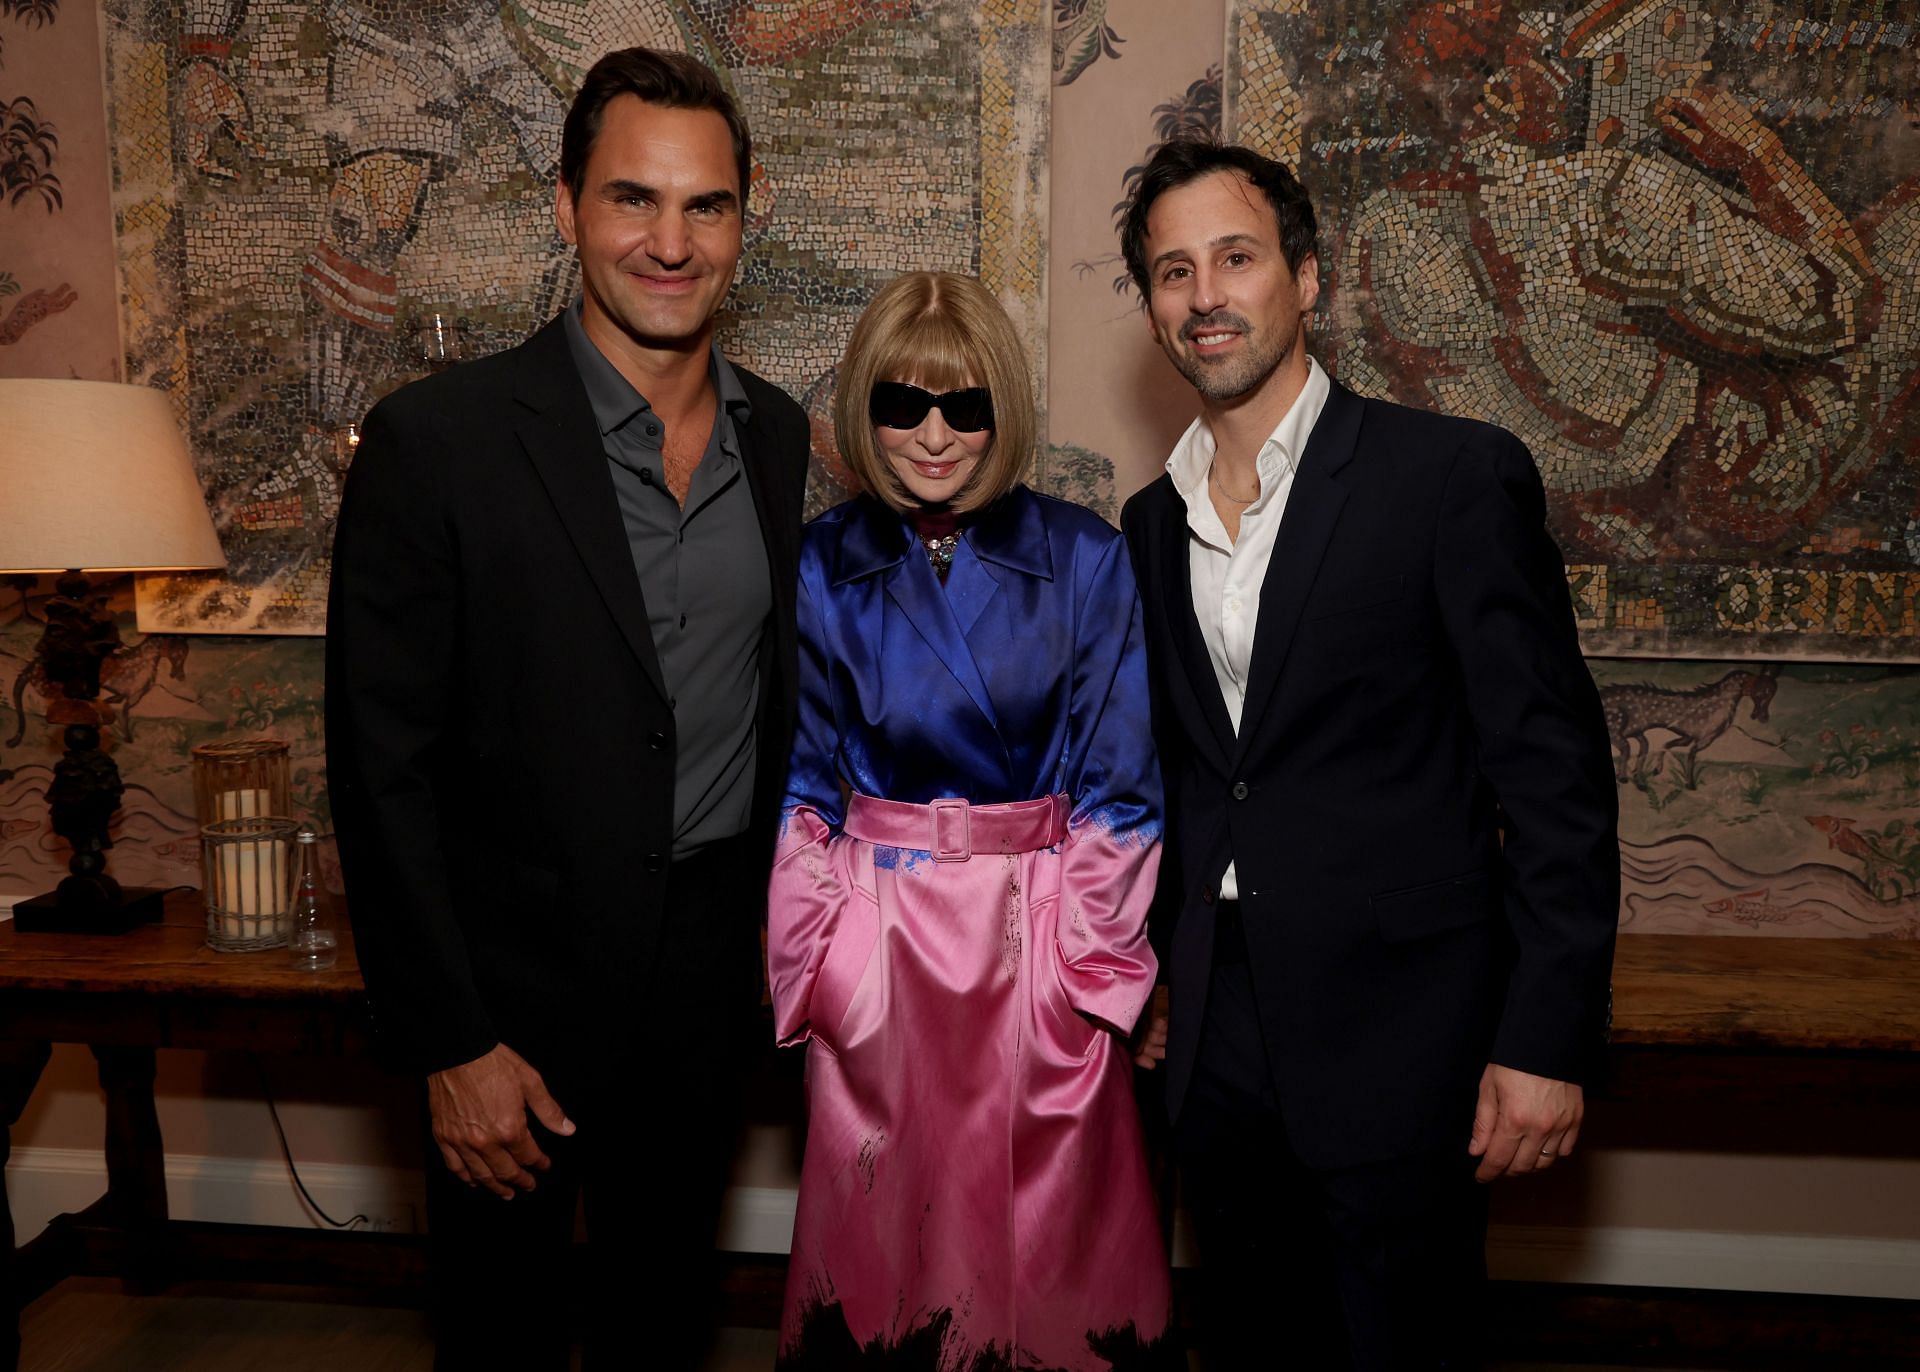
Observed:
{"x":125,"y":996}
{"x":1752,"y":1020}
{"x":1764,"y":1021}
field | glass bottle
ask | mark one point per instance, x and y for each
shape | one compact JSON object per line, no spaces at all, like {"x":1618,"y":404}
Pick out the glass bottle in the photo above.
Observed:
{"x":310,"y":934}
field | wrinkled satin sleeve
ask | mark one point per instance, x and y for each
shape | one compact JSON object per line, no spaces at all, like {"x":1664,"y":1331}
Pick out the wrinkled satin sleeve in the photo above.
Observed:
{"x":809,"y":886}
{"x":1112,"y":853}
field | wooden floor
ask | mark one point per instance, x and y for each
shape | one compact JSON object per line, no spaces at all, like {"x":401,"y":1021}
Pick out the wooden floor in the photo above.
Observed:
{"x":96,"y":1325}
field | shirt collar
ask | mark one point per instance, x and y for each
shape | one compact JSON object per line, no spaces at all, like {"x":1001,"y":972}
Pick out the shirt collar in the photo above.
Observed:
{"x":615,"y":400}
{"x":1192,"y":456}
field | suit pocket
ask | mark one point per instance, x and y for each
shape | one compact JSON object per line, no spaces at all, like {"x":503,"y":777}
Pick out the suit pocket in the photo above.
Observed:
{"x":1364,"y":595}
{"x":845,"y":965}
{"x":1065,"y":1034}
{"x":1434,"y":908}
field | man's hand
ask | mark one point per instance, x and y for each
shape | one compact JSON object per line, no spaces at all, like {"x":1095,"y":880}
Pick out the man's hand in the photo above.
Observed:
{"x":479,"y":1114}
{"x":1523,"y":1122}
{"x":1150,"y":1034}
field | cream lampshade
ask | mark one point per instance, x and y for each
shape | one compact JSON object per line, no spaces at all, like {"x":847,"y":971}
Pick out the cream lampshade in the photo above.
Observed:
{"x":94,"y":476}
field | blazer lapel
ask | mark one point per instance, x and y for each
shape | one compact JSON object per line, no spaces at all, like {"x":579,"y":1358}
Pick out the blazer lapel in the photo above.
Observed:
{"x":876,"y":541}
{"x":766,"y":475}
{"x":1013,"y":536}
{"x":1183,"y":625}
{"x":560,"y":437}
{"x":1313,"y":508}
{"x":915,"y":588}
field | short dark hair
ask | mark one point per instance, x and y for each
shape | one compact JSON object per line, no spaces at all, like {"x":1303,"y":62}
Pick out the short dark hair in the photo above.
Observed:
{"x":1181,"y":160}
{"x":672,"y":80}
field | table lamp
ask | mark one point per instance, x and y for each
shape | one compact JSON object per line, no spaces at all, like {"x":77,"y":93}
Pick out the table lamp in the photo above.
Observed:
{"x":94,"y":477}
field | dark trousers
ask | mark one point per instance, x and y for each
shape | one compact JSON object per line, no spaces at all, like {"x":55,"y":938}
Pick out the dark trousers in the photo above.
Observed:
{"x":1377,"y":1268}
{"x":656,"y":1118}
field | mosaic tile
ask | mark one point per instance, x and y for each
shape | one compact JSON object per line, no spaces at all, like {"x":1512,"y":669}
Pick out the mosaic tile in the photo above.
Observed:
{"x":1673,"y":246}
{"x":302,"y":185}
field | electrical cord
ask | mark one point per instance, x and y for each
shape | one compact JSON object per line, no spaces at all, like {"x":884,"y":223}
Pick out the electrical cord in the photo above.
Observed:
{"x":266,"y":1090}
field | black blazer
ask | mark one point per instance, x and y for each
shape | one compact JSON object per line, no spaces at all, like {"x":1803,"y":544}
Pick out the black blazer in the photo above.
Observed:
{"x":1416,"y":692}
{"x":500,"y":746}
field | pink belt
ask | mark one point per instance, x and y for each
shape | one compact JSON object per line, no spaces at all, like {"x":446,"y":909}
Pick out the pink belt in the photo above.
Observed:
{"x":953,"y":831}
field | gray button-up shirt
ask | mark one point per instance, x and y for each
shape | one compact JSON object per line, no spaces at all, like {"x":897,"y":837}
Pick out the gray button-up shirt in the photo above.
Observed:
{"x":707,"y":583}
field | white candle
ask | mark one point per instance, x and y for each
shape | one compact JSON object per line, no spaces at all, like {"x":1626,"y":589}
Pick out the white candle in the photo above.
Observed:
{"x":247,"y":804}
{"x":251,"y":886}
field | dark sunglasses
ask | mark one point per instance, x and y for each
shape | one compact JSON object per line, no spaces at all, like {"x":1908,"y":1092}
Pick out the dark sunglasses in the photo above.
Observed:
{"x":895,"y":405}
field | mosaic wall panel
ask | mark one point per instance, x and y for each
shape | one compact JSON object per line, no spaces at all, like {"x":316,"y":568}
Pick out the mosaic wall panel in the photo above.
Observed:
{"x":304,"y":187}
{"x":1779,"y":800}
{"x":1675,"y":246}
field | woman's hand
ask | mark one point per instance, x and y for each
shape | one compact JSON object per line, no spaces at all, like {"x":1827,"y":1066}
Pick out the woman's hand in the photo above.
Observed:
{"x":1150,"y":1034}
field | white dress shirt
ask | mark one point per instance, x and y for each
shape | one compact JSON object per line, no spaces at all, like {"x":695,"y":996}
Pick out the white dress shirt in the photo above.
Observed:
{"x":1227,"y":573}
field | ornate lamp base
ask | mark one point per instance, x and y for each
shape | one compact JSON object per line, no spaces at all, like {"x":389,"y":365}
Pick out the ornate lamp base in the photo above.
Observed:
{"x":86,"y":785}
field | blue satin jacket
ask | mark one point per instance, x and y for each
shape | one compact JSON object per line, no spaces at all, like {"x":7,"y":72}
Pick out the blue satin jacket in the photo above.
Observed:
{"x":1024,"y":676}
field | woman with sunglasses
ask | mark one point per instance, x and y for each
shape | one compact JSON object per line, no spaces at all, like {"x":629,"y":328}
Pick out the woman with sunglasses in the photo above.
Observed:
{"x":961,"y":940}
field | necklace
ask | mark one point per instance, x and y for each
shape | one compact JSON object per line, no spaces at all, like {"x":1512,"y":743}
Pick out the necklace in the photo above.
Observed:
{"x":938,"y":529}
{"x":1213,"y":474}
{"x":940,"y":550}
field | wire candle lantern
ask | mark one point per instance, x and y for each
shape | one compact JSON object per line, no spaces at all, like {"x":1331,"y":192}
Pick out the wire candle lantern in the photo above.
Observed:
{"x":240,"y":791}
{"x":248,"y":869}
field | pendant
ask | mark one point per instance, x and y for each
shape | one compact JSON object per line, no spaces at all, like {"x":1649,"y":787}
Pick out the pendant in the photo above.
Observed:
{"x":940,"y":551}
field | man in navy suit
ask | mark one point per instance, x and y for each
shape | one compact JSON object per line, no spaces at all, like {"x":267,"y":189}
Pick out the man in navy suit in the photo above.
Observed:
{"x":1387,"y":910}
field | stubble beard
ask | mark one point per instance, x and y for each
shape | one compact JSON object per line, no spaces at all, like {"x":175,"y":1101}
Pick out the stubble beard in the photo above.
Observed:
{"x":1229,"y":378}
{"x":654,"y":324}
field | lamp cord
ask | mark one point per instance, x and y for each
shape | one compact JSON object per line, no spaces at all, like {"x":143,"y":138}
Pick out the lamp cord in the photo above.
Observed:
{"x":266,"y":1090}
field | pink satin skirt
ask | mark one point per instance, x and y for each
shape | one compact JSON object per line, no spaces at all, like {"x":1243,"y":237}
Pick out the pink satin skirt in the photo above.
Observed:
{"x":974,"y":1185}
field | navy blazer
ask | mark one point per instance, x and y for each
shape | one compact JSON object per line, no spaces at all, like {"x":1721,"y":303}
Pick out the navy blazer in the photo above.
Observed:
{"x":1420,"y":801}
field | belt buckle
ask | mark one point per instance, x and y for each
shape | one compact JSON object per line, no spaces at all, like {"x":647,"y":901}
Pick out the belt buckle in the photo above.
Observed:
{"x":951,"y":820}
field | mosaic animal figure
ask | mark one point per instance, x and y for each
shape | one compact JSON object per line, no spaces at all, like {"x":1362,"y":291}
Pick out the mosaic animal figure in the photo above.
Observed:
{"x":1696,"y":717}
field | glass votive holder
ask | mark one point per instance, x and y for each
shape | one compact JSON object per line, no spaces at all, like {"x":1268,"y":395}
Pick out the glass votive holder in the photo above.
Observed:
{"x":441,"y":341}
{"x":242,"y":778}
{"x":346,"y":443}
{"x":248,"y":868}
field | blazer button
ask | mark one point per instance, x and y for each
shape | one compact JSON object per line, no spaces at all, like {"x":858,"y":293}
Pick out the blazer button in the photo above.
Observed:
{"x":655,"y":863}
{"x":1206,"y":895}
{"x":1239,"y":790}
{"x":657,"y":741}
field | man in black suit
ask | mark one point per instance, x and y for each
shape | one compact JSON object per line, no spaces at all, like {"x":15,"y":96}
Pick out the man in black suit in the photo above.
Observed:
{"x":1387,"y":909}
{"x":560,"y":689}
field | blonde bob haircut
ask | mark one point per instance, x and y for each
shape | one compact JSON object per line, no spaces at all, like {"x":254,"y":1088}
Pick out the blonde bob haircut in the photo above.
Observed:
{"x":941,"y":332}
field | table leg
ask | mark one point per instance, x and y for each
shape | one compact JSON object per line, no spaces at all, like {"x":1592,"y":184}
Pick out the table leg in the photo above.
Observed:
{"x":20,"y":1068}
{"x":136,"y":1159}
